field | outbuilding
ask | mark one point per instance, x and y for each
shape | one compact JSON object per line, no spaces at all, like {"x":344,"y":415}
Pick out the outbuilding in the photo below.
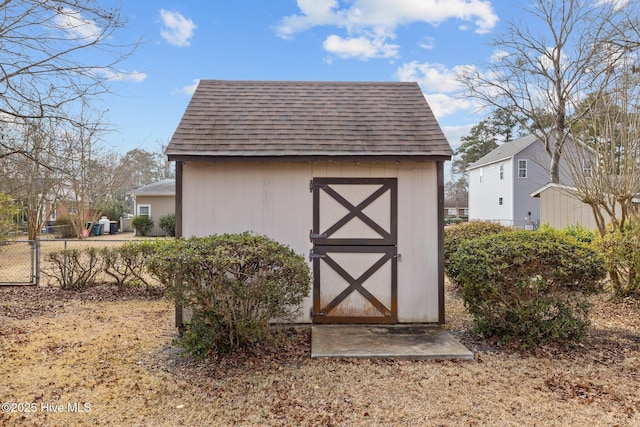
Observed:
{"x":350,"y":174}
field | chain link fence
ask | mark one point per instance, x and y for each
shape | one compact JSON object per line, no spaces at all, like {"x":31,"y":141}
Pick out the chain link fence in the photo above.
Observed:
{"x":26,"y":261}
{"x":18,"y":262}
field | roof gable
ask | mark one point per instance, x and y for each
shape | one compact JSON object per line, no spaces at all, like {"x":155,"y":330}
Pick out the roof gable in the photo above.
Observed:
{"x":280,"y":118}
{"x":504,"y":151}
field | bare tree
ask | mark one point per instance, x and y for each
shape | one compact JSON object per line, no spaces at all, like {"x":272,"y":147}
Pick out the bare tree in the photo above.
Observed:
{"x":606,"y":175}
{"x":44,"y":46}
{"x":545,"y":63}
{"x":34,"y":180}
{"x":88,"y":172}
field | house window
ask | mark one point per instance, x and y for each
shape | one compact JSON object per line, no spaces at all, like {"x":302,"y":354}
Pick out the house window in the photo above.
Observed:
{"x":501,"y":171}
{"x":466,"y":211}
{"x":481,"y":174}
{"x":522,"y":168}
{"x":500,"y":201}
{"x":586,"y":167}
{"x":144,"y":210}
{"x":452,"y":211}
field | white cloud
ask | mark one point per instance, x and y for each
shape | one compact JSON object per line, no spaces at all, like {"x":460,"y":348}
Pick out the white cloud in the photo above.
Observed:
{"x":446,"y":105}
{"x":377,"y":20}
{"x":455,"y":133}
{"x":440,"y":86}
{"x":360,"y":47}
{"x":177,"y":30}
{"x":617,"y":4}
{"x":314,"y":13}
{"x":431,"y":77}
{"x":190,"y":89}
{"x":132,"y":76}
{"x":76,"y":26}
{"x":427,"y":43}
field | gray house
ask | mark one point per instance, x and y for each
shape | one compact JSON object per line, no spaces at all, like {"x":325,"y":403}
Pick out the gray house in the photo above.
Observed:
{"x":350,"y":174}
{"x":501,"y":182}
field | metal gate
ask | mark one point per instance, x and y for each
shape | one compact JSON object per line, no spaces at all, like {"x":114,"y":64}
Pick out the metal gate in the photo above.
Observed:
{"x":354,"y":251}
{"x":19,"y":262}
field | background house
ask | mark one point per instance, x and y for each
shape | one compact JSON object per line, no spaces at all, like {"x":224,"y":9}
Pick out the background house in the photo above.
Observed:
{"x":155,"y":201}
{"x":500,"y":183}
{"x":350,"y":174}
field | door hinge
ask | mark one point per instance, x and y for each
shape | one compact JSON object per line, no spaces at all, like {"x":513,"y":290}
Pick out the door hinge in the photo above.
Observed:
{"x":313,"y":186}
{"x":313,"y":255}
{"x":313,"y":236}
{"x":313,"y":313}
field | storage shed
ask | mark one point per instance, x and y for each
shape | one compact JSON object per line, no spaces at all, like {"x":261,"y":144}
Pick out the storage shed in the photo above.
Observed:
{"x":350,"y":174}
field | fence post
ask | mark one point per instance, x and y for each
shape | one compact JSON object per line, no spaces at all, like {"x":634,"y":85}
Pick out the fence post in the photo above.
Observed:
{"x":37,"y":256}
{"x":64,"y":263}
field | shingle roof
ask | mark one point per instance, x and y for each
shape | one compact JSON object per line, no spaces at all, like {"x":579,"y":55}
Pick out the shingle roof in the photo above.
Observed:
{"x":165,"y":187}
{"x":285,"y":118}
{"x":504,"y":151}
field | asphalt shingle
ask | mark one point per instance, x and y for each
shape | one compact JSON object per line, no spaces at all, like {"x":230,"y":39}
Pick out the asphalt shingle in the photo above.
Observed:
{"x":285,"y":118}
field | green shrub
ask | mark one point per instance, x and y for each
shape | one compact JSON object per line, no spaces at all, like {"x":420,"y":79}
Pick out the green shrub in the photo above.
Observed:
{"x":621,"y":251}
{"x":528,"y":286}
{"x":168,"y":224}
{"x":234,"y":284}
{"x":73,"y":268}
{"x":126,"y":264}
{"x":455,"y":236}
{"x":576,"y":231}
{"x":142,"y":224}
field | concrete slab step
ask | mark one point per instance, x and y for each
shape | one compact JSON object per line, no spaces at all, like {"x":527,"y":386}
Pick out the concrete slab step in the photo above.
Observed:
{"x":412,"y":342}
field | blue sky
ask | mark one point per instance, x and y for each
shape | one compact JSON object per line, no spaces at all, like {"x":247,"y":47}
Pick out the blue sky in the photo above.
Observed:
{"x":328,"y":40}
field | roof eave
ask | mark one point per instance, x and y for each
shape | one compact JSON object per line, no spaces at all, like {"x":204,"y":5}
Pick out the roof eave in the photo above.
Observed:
{"x":309,"y":157}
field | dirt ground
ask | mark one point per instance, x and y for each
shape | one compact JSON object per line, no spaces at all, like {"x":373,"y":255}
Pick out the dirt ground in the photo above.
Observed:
{"x":105,"y":357}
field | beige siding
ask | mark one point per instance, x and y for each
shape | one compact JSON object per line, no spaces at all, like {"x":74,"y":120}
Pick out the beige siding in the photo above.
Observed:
{"x":160,"y":206}
{"x":274,"y":199}
{"x":560,"y":209}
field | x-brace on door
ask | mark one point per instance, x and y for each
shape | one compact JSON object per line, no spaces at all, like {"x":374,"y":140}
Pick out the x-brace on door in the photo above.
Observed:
{"x":354,"y":251}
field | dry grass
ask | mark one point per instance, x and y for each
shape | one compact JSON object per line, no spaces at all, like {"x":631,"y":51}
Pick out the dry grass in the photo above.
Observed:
{"x":115,"y":353}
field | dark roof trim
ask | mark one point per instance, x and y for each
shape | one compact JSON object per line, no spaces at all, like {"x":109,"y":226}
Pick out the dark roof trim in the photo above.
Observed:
{"x":310,"y":158}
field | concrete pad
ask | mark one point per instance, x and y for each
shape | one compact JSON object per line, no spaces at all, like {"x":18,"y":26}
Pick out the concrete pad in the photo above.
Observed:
{"x":414,"y":342}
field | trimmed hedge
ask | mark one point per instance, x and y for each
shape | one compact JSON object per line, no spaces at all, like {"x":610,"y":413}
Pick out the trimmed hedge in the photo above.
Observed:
{"x":621,"y":251}
{"x":457,"y":235}
{"x":142,"y":224}
{"x":528,"y":286}
{"x":235,"y":285}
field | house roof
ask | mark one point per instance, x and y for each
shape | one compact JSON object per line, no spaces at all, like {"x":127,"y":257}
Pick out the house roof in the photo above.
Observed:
{"x":306,"y":119}
{"x":165,"y":187}
{"x":504,"y":151}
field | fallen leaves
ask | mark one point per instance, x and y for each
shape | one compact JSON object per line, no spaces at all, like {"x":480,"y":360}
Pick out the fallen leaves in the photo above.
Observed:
{"x":113,"y":349}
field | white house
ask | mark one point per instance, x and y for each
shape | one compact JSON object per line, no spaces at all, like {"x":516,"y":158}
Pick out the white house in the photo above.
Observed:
{"x":501,"y":183}
{"x":350,"y":174}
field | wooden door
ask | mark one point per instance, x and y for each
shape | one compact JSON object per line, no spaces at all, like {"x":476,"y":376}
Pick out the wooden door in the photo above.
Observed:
{"x":354,"y":251}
